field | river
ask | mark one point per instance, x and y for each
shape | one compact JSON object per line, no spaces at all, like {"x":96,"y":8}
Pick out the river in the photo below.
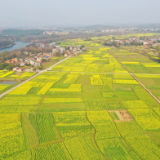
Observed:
{"x":18,"y":45}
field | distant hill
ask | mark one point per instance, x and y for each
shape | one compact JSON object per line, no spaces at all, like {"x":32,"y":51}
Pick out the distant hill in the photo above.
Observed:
{"x":21,"y":33}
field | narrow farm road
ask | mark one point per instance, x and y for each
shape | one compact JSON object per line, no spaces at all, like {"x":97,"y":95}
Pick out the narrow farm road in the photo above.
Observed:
{"x":138,"y":81}
{"x":3,"y":94}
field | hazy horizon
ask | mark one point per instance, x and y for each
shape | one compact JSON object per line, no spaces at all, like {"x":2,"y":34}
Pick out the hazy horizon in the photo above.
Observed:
{"x":52,"y":13}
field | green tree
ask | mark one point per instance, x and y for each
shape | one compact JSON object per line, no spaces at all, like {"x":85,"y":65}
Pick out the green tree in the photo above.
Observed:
{"x":40,"y":67}
{"x":82,"y":46}
{"x":5,"y":64}
{"x":9,"y":67}
{"x":1,"y":66}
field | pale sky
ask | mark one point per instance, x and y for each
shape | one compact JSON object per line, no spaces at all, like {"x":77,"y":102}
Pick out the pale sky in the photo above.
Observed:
{"x":48,"y":13}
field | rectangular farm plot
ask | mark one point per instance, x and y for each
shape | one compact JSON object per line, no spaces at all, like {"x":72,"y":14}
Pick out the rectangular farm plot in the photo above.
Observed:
{"x":136,"y":68}
{"x":120,"y":115}
{"x":137,"y":104}
{"x":116,"y":148}
{"x":124,"y":76}
{"x":17,"y":109}
{"x":151,"y":65}
{"x":54,"y":151}
{"x":18,"y":104}
{"x":71,"y":78}
{"x":5,"y":73}
{"x":83,"y":80}
{"x":72,"y":124}
{"x":3,"y":86}
{"x":45,"y":88}
{"x":47,"y":78}
{"x":147,"y":75}
{"x":104,"y":49}
{"x":90,"y":92}
{"x":146,"y":98}
{"x":107,"y":88}
{"x":11,"y":135}
{"x":72,"y":89}
{"x":126,"y":54}
{"x":34,"y":91}
{"x":144,"y":147}
{"x":114,"y":115}
{"x":93,"y":105}
{"x":31,"y":137}
{"x":20,"y":101}
{"x":22,"y":90}
{"x":114,"y":106}
{"x":62,"y":100}
{"x":135,"y":63}
{"x":96,"y":80}
{"x":45,"y":128}
{"x":83,"y":148}
{"x":129,"y":129}
{"x":103,"y":124}
{"x":146,"y":118}
{"x":126,"y":94}
{"x":61,"y":107}
{"x":120,"y":81}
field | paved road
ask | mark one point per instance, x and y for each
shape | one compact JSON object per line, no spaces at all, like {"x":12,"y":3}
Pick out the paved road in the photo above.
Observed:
{"x":3,"y":94}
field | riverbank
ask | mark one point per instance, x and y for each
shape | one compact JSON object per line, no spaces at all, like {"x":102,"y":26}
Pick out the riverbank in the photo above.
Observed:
{"x":15,"y":45}
{"x":7,"y":46}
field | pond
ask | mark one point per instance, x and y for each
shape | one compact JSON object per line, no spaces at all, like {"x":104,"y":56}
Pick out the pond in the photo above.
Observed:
{"x":8,"y":82}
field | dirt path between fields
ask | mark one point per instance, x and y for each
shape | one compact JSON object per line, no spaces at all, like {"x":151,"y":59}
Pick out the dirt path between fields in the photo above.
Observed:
{"x":138,"y":81}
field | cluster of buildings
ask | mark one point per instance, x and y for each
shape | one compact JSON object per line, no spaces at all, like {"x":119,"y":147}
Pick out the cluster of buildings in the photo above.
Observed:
{"x":34,"y":60}
{"x":43,"y":45}
{"x":65,"y":51}
{"x":122,"y":29}
{"x":59,"y":50}
{"x":37,"y":59}
{"x":50,"y":33}
{"x":149,"y":42}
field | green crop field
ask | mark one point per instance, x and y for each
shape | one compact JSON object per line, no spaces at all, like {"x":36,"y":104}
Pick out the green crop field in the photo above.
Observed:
{"x":6,"y":78}
{"x":89,"y":107}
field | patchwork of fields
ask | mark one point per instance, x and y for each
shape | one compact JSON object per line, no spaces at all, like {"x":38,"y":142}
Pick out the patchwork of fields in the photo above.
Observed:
{"x":10,"y":76}
{"x":87,"y":108}
{"x":147,"y":71}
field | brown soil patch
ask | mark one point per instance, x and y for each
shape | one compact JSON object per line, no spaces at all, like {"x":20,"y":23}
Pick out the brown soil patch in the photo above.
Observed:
{"x":19,"y":74}
{"x":123,"y":115}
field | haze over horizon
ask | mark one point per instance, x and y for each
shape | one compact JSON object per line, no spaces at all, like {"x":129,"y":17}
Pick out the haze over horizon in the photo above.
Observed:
{"x":49,"y":13}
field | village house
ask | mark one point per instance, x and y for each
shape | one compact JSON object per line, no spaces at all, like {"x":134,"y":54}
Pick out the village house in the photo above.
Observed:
{"x":52,"y":43}
{"x":62,"y":49}
{"x":54,"y":50}
{"x":70,"y":48}
{"x":8,"y":61}
{"x":156,"y":44}
{"x":67,"y":53}
{"x":147,"y":43}
{"x":22,"y":64}
{"x":28,"y":70}
{"x":74,"y":50}
{"x":42,"y":45}
{"x":17,"y":69}
{"x":121,"y":41}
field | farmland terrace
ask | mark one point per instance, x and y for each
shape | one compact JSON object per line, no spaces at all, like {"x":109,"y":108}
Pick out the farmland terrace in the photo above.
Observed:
{"x":78,"y":112}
